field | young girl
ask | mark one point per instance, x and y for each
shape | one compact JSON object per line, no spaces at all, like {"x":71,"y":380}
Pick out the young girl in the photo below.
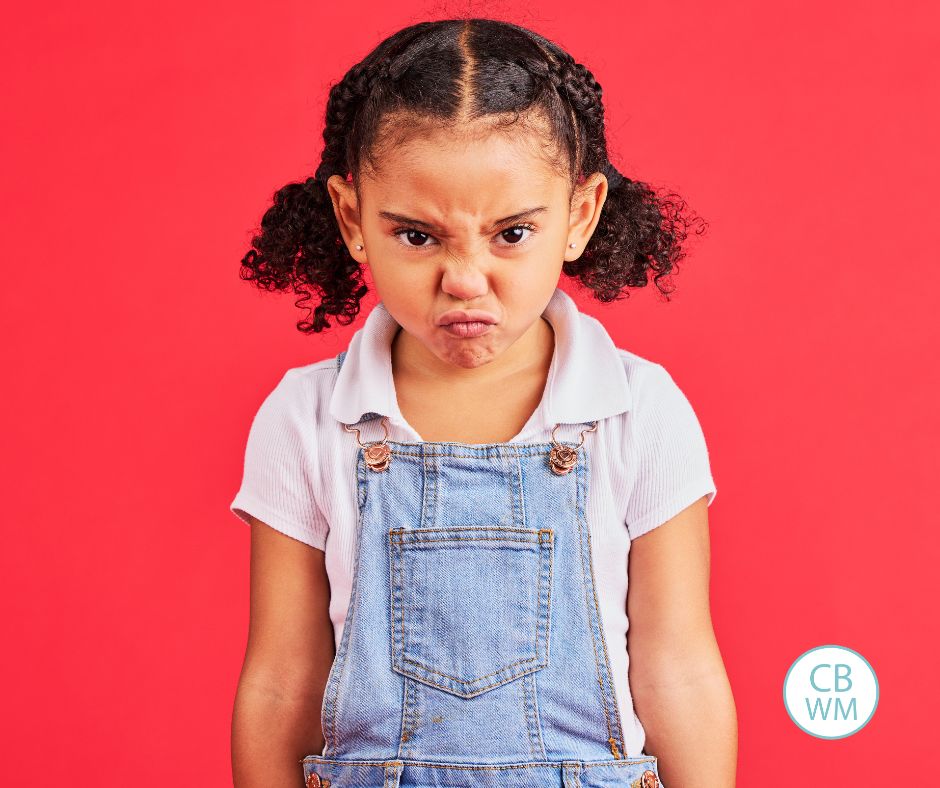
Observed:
{"x":442,"y":514}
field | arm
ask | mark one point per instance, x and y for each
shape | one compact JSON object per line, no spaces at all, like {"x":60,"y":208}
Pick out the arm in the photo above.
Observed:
{"x":276,"y":718}
{"x":680,"y":688}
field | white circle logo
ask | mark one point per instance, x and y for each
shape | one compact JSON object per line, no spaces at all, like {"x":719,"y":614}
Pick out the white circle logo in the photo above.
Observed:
{"x":830,"y":692}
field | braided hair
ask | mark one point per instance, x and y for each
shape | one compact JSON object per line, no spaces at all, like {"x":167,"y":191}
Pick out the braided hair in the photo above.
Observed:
{"x":448,"y":72}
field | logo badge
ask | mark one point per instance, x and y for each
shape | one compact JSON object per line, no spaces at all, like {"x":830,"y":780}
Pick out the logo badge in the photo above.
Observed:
{"x":830,"y":692}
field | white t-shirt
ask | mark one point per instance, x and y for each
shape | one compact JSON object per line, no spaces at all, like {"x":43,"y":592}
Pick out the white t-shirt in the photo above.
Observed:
{"x":649,"y":457}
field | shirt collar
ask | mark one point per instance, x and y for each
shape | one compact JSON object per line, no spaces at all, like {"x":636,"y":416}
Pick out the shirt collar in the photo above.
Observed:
{"x":586,"y":380}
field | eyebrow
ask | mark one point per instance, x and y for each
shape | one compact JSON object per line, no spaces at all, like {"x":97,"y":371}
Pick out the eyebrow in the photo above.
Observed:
{"x":401,"y":219}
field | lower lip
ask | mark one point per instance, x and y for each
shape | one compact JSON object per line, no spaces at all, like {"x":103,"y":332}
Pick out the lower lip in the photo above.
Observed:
{"x":467,"y":330}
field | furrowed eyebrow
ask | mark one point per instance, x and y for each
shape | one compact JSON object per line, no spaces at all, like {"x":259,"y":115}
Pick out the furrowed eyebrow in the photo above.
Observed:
{"x":516,"y":217}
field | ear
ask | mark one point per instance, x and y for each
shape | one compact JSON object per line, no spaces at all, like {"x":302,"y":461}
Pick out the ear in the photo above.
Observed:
{"x":346,"y":210}
{"x":586,"y":204}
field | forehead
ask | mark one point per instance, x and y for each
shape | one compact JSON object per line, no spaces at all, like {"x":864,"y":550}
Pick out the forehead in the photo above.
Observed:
{"x":477,"y":169}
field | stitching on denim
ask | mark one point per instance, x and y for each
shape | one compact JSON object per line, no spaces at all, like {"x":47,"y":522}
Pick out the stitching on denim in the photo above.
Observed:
{"x":523,"y":703}
{"x":531,"y":698}
{"x":472,"y":693}
{"x":613,"y":690}
{"x":572,"y":774}
{"x":545,"y":558}
{"x":416,"y":714}
{"x":338,"y":669}
{"x":617,"y":734}
{"x":406,"y":720}
{"x":397,"y":638}
{"x":528,"y":683}
{"x":471,"y":681}
{"x":516,"y":493}
{"x":430,"y":475}
{"x":506,"y":450}
{"x":622,"y":763}
{"x":396,"y":597}
{"x":419,"y":531}
{"x":579,"y":478}
{"x":410,"y":724}
{"x":500,"y":528}
{"x":404,"y":732}
{"x":414,"y":543}
{"x":412,"y":716}
{"x":548,"y":601}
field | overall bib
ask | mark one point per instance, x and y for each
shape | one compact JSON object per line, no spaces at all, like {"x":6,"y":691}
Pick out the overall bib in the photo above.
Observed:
{"x":472,"y":653}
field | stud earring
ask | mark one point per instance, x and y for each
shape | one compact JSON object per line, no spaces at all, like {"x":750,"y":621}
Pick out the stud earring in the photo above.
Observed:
{"x":572,"y":245}
{"x":359,"y":247}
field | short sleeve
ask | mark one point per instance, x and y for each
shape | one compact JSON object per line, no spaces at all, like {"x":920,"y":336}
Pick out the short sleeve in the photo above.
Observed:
{"x":670,"y":457}
{"x":277,"y":480}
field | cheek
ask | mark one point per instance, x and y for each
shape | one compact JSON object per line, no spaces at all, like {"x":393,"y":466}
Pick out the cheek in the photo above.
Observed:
{"x":399,"y":283}
{"x":529,"y":282}
{"x":411,"y":305}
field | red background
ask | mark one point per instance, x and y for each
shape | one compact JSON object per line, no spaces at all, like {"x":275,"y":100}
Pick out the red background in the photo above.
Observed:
{"x":144,"y":140}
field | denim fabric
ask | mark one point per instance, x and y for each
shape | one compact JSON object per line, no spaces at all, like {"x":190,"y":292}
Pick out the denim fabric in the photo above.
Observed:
{"x":473,"y":653}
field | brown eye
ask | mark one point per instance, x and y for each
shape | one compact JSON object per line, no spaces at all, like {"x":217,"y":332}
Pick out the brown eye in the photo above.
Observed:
{"x":414,"y":235}
{"x":514,"y":234}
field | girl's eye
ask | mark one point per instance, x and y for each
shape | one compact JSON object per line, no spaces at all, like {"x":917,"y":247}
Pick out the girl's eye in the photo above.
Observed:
{"x":512,"y":234}
{"x":416,"y":239}
{"x":413,"y":235}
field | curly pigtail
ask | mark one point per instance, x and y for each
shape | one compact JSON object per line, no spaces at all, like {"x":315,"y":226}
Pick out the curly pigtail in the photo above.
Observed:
{"x":451,"y":72}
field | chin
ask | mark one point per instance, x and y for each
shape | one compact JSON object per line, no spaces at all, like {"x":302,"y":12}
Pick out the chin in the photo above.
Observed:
{"x":469,"y":355}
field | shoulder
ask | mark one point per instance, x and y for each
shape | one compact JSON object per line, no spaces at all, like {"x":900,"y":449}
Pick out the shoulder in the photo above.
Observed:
{"x":659,"y":407}
{"x":293,"y":406}
{"x":311,"y":374}
{"x":305,"y":384}
{"x":647,"y":378}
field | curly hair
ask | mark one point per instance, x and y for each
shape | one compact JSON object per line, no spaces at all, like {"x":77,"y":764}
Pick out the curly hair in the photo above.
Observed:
{"x":447,"y":72}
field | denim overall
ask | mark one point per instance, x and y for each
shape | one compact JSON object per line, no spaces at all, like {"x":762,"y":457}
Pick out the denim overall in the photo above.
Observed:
{"x":472,"y":653}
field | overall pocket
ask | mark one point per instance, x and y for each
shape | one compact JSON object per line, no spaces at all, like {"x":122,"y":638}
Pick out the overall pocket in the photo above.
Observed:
{"x":470,"y":605}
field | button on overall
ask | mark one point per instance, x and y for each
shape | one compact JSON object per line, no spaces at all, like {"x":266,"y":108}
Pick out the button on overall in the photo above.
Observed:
{"x":473,"y":652}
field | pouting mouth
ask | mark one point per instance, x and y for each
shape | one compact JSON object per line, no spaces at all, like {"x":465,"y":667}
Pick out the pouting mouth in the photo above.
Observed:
{"x":466,"y":316}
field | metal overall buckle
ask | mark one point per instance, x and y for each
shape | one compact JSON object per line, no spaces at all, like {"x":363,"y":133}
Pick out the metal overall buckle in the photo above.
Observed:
{"x":561,"y":459}
{"x":378,"y":455}
{"x":647,"y":780}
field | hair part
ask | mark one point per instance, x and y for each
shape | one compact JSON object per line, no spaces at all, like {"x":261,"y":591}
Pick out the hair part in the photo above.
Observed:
{"x":467,"y":75}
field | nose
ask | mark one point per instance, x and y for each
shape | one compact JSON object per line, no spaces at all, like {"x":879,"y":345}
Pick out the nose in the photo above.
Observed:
{"x":464,"y":277}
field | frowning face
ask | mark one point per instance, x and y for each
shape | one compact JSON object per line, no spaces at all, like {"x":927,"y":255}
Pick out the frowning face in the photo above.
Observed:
{"x":466,"y":240}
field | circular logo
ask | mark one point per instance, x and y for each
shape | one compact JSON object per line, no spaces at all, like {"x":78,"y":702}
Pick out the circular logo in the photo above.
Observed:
{"x":830,"y":692}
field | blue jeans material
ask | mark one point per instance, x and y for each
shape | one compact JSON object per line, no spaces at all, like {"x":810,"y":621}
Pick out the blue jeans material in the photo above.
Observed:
{"x":472,"y":653}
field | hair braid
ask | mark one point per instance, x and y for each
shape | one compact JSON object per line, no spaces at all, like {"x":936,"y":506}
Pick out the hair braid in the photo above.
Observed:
{"x":449,"y":71}
{"x":346,"y":98}
{"x":299,"y":247}
{"x":638,"y":231}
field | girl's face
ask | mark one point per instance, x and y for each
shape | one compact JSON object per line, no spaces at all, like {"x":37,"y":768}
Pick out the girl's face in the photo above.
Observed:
{"x":481,"y":225}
